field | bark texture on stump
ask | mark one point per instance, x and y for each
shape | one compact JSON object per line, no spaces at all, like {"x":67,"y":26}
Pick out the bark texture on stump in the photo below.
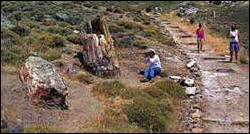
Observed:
{"x":44,"y":86}
{"x":98,"y":49}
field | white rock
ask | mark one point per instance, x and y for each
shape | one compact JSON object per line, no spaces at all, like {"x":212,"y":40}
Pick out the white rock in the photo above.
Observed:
{"x":190,"y":90}
{"x":175,"y":77}
{"x":191,"y":64}
{"x":189,"y":82}
{"x":196,"y":114}
{"x":76,"y":31}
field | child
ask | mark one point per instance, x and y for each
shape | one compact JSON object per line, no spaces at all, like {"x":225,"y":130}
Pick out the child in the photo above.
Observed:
{"x":200,"y":37}
{"x":234,"y":43}
{"x":154,"y":65}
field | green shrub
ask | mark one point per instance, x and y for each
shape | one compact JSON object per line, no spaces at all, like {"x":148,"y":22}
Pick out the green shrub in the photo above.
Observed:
{"x":109,"y":89}
{"x":156,"y":92}
{"x":83,"y":77}
{"x":50,"y":22}
{"x":41,"y":129}
{"x":59,"y":30}
{"x":116,"y":29}
{"x":29,"y":23}
{"x":130,"y":93}
{"x":52,"y":54}
{"x":8,"y":37}
{"x":150,"y":33}
{"x":52,"y":40}
{"x":130,"y":25}
{"x":8,"y":56}
{"x":17,"y":15}
{"x":21,"y":30}
{"x":142,"y":44}
{"x":145,"y":111}
{"x":166,"y":104}
{"x":74,"y":38}
{"x":172,"y":88}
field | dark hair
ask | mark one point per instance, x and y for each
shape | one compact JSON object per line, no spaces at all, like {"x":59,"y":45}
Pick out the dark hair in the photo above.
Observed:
{"x":233,"y":27}
{"x":200,"y":25}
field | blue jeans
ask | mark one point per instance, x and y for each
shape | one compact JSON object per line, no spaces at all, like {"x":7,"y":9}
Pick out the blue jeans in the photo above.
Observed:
{"x":150,"y":73}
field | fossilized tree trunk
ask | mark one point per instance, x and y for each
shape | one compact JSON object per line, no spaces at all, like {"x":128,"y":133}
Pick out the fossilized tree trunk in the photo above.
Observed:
{"x":43,"y":84}
{"x":98,"y":49}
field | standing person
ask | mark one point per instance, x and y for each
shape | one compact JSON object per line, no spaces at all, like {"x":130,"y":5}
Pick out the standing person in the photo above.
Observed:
{"x":200,"y":37}
{"x":154,"y":65}
{"x":234,"y":43}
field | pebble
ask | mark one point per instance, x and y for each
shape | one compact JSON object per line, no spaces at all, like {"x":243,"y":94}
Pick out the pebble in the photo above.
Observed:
{"x":177,"y":78}
{"x":196,"y":114}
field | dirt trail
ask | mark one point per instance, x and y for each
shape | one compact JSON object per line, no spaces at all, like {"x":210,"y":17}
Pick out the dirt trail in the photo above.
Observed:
{"x":224,"y":88}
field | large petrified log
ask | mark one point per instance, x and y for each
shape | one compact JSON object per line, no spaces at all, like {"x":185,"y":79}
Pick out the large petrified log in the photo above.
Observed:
{"x":43,"y":84}
{"x":98,"y":49}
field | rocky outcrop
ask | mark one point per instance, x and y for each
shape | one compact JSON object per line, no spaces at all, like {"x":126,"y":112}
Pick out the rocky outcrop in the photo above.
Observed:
{"x":98,"y":51}
{"x":43,"y":84}
{"x":186,"y":9}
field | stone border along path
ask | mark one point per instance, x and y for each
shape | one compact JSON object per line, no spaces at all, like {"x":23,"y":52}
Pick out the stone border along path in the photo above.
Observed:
{"x":222,"y":105}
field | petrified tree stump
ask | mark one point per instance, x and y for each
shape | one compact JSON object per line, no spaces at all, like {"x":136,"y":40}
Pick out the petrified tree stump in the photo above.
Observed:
{"x":98,"y":49}
{"x":44,"y":86}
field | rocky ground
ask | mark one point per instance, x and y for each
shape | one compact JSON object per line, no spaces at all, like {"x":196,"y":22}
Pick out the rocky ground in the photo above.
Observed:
{"x":223,"y":103}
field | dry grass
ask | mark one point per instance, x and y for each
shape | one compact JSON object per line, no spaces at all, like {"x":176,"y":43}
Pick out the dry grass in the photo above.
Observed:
{"x":218,"y":44}
{"x":111,"y":119}
{"x":9,"y":69}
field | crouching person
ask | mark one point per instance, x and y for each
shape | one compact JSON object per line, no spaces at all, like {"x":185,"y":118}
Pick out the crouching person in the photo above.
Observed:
{"x":154,"y":65}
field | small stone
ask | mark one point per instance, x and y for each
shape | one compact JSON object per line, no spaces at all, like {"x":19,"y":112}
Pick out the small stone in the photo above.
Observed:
{"x":191,"y":64}
{"x":190,"y":90}
{"x":177,"y":78}
{"x":188,"y":82}
{"x":76,"y":31}
{"x":19,"y":120}
{"x":196,"y":114}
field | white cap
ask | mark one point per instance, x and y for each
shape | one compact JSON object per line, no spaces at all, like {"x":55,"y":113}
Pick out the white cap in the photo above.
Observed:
{"x":150,"y":50}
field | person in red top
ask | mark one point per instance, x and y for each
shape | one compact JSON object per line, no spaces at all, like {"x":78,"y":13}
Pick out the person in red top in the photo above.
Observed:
{"x":200,"y":37}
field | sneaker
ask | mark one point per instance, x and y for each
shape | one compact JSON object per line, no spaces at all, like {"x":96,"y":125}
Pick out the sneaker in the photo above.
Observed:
{"x":231,"y":59}
{"x":144,"y":80}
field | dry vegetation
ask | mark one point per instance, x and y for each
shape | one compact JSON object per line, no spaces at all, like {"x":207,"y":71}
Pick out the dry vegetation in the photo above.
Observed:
{"x":148,"y":109}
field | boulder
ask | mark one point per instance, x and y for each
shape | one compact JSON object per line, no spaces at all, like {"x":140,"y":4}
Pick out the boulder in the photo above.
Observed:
{"x":43,"y":84}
